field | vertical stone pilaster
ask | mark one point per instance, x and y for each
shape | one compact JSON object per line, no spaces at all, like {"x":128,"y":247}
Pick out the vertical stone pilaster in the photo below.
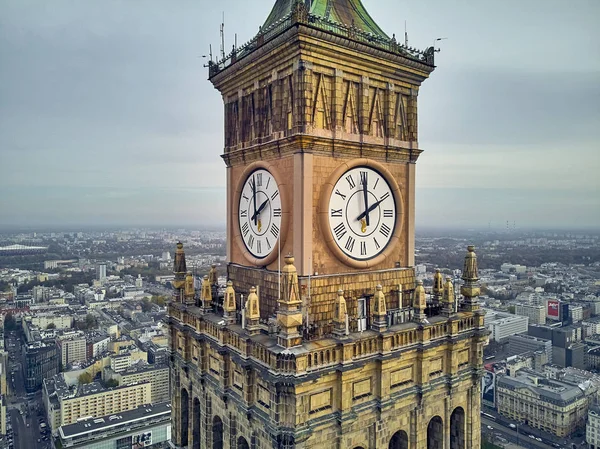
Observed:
{"x":338,"y":103}
{"x":363,"y":108}
{"x":410,"y":213}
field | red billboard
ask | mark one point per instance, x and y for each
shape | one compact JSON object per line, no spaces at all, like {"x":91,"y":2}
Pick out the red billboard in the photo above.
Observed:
{"x":554,"y":309}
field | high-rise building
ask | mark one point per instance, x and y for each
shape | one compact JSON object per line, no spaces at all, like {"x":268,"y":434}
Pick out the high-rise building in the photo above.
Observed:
{"x":337,"y":345}
{"x":72,"y":348}
{"x":42,"y":361}
{"x":101,"y":272}
{"x":522,"y":343}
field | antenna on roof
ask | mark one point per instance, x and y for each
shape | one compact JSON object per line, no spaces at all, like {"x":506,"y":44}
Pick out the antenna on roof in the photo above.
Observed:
{"x":223,"y":37}
{"x":405,"y":35}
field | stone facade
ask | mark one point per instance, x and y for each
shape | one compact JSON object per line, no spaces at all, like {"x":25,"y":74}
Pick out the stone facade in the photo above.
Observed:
{"x":319,"y":364}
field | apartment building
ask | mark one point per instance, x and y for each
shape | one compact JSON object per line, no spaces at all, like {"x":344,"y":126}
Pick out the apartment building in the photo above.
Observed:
{"x":592,"y":428}
{"x":72,"y":348}
{"x":556,"y":407}
{"x":66,"y":404}
{"x":157,"y":375}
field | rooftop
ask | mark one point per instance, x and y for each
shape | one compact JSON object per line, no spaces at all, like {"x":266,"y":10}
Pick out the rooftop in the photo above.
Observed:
{"x":550,"y":390}
{"x":141,"y":414}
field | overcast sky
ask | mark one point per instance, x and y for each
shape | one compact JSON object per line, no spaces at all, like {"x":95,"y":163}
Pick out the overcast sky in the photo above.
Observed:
{"x":107,"y":117}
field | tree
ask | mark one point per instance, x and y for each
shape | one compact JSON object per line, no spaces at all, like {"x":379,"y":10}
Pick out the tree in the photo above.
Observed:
{"x":111,"y":383}
{"x":146,"y":306}
{"x":84,"y":378}
{"x":51,"y":326}
{"x":91,"y":321}
{"x":159,"y":300}
{"x":511,"y":309}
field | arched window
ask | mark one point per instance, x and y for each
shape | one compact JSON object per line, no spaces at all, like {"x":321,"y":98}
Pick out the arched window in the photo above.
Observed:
{"x":196,"y":425}
{"x":457,"y":429}
{"x":242,"y":443}
{"x":435,"y":433}
{"x":217,"y":433}
{"x":399,"y":440}
{"x":185,"y":418}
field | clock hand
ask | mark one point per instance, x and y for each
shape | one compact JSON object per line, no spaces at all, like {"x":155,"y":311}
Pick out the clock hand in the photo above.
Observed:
{"x":262,"y":206}
{"x":254,"y":199}
{"x":364,"y":214}
{"x":366,"y":198}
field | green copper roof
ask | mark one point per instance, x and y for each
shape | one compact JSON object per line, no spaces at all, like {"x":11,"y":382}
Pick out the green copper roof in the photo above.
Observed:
{"x":345,"y":12}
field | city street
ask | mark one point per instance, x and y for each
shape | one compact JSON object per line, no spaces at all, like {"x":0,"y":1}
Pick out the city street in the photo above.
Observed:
{"x":500,"y":427}
{"x":26,"y":426}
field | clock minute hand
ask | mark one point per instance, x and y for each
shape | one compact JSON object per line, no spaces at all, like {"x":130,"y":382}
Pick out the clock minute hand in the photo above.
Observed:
{"x":254,"y":199}
{"x":374,"y":206}
{"x":366,"y":198}
{"x":262,"y":206}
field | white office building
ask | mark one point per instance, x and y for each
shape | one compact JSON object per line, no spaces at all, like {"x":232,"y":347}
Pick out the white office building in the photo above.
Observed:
{"x":535,"y":313}
{"x":506,"y":325}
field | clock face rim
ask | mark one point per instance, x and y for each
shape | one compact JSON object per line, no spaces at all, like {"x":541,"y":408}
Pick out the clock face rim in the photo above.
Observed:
{"x":395,"y":216}
{"x":324,"y":218}
{"x":251,"y":258}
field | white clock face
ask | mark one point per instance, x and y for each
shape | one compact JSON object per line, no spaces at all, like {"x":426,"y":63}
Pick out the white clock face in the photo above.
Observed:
{"x":362,"y":213}
{"x":259,"y":213}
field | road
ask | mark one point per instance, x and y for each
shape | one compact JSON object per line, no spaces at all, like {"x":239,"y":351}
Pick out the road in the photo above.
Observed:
{"x":25,"y":437}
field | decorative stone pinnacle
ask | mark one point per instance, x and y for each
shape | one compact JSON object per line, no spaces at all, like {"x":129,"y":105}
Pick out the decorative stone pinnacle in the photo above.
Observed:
{"x":438,"y":283}
{"x":379,"y":310}
{"x":419,"y":303}
{"x":229,"y":306}
{"x":470,"y":289}
{"x":252,"y":305}
{"x":206,"y":293}
{"x":340,"y":316}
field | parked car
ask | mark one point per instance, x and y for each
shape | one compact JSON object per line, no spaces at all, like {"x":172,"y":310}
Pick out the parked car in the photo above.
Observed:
{"x":512,"y":426}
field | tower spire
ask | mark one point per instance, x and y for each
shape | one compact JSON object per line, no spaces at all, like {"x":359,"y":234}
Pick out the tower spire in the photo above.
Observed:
{"x":180,"y":271}
{"x":470,"y":289}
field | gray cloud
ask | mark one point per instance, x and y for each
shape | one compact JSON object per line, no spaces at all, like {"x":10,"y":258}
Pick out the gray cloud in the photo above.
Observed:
{"x":106,"y":115}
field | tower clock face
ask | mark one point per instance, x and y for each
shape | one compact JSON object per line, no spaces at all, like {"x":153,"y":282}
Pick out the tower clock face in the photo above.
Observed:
{"x":259,"y":213}
{"x":362,"y":213}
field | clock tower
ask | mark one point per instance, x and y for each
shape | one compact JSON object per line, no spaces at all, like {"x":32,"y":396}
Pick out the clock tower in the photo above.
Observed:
{"x":337,"y":345}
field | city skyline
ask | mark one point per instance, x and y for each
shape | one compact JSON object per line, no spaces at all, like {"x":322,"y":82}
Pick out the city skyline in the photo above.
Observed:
{"x":107,"y":117}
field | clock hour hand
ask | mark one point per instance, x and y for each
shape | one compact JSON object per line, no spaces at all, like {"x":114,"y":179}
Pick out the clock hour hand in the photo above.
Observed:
{"x":365,"y":213}
{"x":262,"y":206}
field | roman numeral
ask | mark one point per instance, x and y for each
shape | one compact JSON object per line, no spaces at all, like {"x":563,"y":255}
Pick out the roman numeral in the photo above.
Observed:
{"x":350,"y":181}
{"x":336,"y":212}
{"x":268,"y":244}
{"x":277,"y":212}
{"x":245,"y":197}
{"x":375,"y":186}
{"x":340,"y":230}
{"x":259,"y":179}
{"x":385,"y":197}
{"x":245,"y":229}
{"x":258,"y":246}
{"x":268,"y":181}
{"x":385,"y":230}
{"x":274,"y":230}
{"x":350,"y":243}
{"x":337,"y":192}
{"x":275,"y":195}
{"x":363,"y":178}
{"x":244,"y":213}
{"x":388,"y":213}
{"x":377,"y":245}
{"x":363,"y":248}
{"x":251,"y":241}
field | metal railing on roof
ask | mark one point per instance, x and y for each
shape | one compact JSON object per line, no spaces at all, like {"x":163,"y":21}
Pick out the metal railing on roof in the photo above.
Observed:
{"x":339,"y":29}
